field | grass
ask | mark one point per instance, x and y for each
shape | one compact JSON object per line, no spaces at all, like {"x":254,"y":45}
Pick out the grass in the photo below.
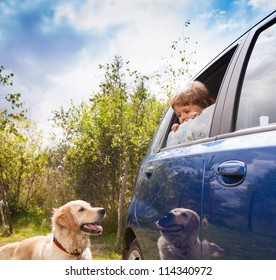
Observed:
{"x":102,"y":246}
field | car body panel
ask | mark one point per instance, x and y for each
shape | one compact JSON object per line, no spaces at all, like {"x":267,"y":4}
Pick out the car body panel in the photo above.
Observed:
{"x":242,"y":217}
{"x":175,"y":181}
{"x":228,"y":180}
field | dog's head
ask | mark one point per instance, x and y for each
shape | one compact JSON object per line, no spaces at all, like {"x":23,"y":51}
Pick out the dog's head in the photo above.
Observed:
{"x":179,"y":222}
{"x":79,"y":216}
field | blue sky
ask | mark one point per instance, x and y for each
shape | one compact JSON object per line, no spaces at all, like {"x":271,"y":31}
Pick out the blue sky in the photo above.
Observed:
{"x":54,"y":47}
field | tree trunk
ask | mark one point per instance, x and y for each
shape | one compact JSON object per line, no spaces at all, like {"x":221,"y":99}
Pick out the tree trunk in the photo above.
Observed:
{"x":3,"y":218}
{"x":5,"y":212}
{"x":120,"y":207}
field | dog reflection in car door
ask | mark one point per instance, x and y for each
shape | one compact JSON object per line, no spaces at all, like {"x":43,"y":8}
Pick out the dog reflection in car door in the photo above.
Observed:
{"x":179,"y":237}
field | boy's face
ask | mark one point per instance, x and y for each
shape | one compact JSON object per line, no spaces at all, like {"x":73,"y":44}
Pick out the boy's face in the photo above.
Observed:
{"x":187,"y":112}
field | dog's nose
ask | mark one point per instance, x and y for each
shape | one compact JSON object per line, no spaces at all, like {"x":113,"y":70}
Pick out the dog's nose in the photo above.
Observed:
{"x":102,"y":211}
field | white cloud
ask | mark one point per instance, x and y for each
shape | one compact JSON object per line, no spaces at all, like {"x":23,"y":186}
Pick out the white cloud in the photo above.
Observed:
{"x":265,"y":5}
{"x":96,"y":15}
{"x":147,"y":29}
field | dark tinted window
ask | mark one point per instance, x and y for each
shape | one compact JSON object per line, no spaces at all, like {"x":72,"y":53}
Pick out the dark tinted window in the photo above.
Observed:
{"x":257,"y":104}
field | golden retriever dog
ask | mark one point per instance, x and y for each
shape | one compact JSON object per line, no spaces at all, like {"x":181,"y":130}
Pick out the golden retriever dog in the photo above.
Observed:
{"x":179,"y":237}
{"x":72,"y":224}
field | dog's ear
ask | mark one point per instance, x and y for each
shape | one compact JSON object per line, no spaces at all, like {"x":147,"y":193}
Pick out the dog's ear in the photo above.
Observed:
{"x":205,"y":223}
{"x":65,"y":218}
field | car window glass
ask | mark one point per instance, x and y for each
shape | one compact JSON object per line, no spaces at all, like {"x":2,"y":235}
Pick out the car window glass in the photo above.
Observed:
{"x":258,"y":98}
{"x":192,"y":129}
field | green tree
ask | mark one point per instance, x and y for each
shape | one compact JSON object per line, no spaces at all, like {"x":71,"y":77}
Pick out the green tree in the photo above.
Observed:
{"x":23,"y":163}
{"x":9,"y":119}
{"x":108,"y":136}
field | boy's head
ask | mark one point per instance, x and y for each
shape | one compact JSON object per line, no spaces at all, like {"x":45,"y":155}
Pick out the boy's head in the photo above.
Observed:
{"x":191,"y":101}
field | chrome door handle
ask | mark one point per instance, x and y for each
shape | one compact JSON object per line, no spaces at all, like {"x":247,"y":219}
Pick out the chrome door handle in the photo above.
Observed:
{"x":231,"y":173}
{"x":149,"y":171}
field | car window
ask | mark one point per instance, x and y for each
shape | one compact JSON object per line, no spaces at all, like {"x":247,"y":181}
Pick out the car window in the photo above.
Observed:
{"x":258,"y":97}
{"x":199,"y":127}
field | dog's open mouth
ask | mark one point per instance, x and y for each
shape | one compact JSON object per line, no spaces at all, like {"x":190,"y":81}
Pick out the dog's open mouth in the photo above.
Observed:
{"x":92,"y":228}
{"x":172,"y":228}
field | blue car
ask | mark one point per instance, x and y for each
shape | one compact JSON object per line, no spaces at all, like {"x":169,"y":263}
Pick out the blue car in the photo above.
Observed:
{"x":213,"y":196}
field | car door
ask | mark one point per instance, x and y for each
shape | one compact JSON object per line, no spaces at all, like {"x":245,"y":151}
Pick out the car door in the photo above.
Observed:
{"x":239,"y":195}
{"x":172,"y":177}
{"x":169,"y":179}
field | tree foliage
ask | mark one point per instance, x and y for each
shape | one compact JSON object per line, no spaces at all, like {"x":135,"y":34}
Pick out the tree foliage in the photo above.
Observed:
{"x":26,"y":169}
{"x":9,"y":120}
{"x":107,"y":136}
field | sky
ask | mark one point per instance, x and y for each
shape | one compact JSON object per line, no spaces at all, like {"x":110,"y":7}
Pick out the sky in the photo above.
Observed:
{"x":54,"y":47}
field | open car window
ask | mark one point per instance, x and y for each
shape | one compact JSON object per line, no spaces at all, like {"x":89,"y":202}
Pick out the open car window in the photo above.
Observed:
{"x":193,"y":129}
{"x":199,"y":127}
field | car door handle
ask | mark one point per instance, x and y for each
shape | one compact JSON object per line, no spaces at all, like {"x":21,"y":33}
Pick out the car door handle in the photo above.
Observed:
{"x":231,"y":173}
{"x":149,"y":171}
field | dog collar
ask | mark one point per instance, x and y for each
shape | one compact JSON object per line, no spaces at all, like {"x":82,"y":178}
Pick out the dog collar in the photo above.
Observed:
{"x":61,"y":248}
{"x":186,"y":245}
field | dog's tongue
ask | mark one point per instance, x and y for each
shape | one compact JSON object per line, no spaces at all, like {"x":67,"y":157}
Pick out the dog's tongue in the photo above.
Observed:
{"x":93,"y":227}
{"x":171,"y":228}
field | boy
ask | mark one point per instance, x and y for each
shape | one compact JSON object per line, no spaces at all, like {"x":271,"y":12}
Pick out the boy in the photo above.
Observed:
{"x":190,"y":102}
{"x":187,"y":105}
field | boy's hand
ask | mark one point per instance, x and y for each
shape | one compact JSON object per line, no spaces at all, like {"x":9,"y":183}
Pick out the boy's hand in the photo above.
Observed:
{"x":175,"y":127}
